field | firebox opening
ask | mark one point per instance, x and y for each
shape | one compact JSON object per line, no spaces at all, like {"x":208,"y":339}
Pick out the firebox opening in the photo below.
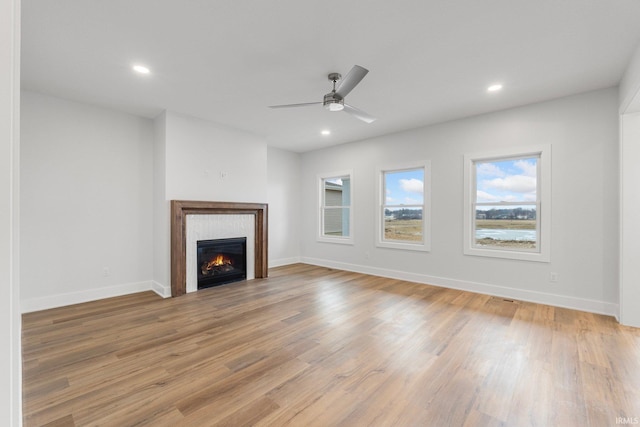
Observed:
{"x":221,"y":261}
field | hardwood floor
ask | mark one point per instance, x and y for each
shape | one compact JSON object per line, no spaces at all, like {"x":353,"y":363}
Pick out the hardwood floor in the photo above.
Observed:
{"x":313,"y":346}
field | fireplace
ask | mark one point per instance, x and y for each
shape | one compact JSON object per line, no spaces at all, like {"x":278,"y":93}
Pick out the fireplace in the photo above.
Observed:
{"x":221,"y":261}
{"x":181,"y":209}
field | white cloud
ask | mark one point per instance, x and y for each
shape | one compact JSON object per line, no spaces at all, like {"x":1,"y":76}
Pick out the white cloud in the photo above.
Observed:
{"x":490,"y":169}
{"x":410,"y":201}
{"x":484,"y":197}
{"x":513,"y":183}
{"x":527,"y":197}
{"x":528,"y":168}
{"x":390,"y":200}
{"x":412,"y":185}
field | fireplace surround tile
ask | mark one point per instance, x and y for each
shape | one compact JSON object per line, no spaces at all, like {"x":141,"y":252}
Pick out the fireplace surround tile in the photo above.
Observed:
{"x":205,"y":227}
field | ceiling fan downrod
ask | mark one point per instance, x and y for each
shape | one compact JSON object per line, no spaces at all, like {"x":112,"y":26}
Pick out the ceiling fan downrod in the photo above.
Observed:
{"x":333,"y":101}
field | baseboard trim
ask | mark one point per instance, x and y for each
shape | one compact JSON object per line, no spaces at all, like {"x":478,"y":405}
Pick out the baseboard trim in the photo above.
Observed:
{"x":283,"y":261}
{"x":592,"y":306}
{"x":61,"y":300}
{"x":160,"y":289}
{"x":582,"y":304}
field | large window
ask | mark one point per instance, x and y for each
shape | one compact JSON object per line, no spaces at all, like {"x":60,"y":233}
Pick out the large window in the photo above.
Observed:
{"x":507,"y":207}
{"x":335,"y":207}
{"x":403,"y":213}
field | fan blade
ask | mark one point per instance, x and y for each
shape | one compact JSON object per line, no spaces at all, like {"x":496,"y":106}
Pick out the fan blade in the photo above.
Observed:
{"x":305,"y":104}
{"x":355,"y":75}
{"x":359,"y":114}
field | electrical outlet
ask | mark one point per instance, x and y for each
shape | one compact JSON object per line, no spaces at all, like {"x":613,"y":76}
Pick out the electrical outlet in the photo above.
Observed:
{"x":553,"y":277}
{"x":106,"y":272}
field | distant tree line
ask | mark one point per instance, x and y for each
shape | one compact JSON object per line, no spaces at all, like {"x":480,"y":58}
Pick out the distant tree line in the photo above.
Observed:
{"x":404,"y":213}
{"x":513,"y":213}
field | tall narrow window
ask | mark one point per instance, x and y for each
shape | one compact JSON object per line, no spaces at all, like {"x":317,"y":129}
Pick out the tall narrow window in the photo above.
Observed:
{"x":506,"y":203}
{"x":507,"y":214}
{"x":403,"y":211}
{"x":335,"y":208}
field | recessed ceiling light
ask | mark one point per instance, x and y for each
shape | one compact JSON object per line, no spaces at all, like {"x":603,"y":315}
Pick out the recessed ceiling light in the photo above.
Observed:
{"x":141,"y":69}
{"x":494,"y":88}
{"x":326,"y":132}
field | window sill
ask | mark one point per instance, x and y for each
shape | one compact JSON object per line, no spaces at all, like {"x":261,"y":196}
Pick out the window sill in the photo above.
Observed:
{"x":508,"y":254}
{"x":421,"y":247}
{"x":338,"y":240}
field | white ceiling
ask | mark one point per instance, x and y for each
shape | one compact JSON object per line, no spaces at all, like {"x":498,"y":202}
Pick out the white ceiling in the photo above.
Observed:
{"x":227,"y":60}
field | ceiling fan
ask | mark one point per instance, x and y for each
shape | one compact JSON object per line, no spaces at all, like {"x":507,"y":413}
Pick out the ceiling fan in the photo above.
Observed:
{"x":334,"y":100}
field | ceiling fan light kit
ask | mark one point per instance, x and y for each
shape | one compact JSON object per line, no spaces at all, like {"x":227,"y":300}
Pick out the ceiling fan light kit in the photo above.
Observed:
{"x":334,"y":100}
{"x":334,"y":105}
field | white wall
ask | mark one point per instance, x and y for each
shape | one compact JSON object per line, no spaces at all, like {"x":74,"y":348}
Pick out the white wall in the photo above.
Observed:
{"x":86,"y":202}
{"x":10,"y":355}
{"x":630,"y":230}
{"x":630,"y":193}
{"x":629,"y":88}
{"x":205,"y":161}
{"x":583,"y":132}
{"x":199,"y":160}
{"x":284,"y":206}
{"x":161,"y":210}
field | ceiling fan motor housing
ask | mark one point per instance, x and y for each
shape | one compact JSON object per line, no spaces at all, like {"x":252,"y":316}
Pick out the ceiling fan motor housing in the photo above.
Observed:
{"x":333,"y":102}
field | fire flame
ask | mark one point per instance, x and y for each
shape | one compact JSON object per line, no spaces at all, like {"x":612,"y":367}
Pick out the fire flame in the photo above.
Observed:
{"x":217,"y":261}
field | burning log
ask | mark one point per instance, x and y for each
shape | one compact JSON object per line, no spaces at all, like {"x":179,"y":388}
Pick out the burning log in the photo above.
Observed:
{"x":217,"y":264}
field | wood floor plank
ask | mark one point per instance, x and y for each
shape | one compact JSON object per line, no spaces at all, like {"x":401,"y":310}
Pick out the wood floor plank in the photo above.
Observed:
{"x":317,"y":346}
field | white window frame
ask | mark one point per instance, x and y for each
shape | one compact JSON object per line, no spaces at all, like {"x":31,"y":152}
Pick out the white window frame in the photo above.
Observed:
{"x":425,"y":245}
{"x":543,"y":203}
{"x":321,"y":237}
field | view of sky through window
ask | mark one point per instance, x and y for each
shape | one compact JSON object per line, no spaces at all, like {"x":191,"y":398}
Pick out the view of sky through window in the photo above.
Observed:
{"x":405,"y":187}
{"x":506,"y":180}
